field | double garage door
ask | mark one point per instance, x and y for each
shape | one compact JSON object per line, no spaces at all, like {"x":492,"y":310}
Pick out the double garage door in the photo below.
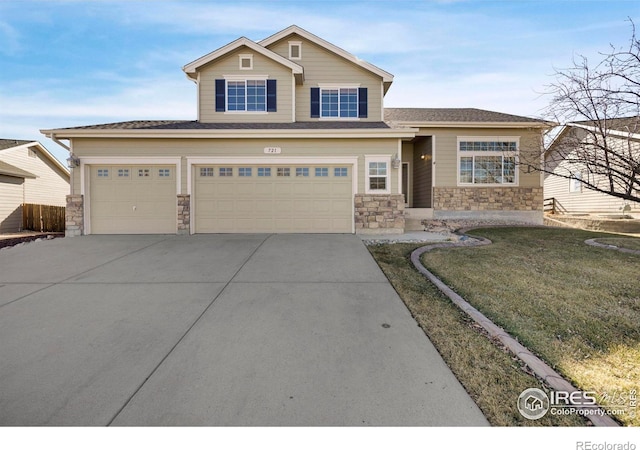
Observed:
{"x":273,"y":199}
{"x":224,"y":199}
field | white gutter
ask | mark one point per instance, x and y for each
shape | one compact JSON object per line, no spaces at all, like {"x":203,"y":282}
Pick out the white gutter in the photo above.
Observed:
{"x":233,"y":134}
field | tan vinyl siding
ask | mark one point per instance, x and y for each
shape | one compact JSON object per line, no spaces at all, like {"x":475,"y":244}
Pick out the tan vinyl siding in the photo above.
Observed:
{"x":11,"y":199}
{"x":238,"y":148}
{"x":322,"y":66}
{"x":229,"y":65}
{"x":446,"y":152}
{"x":49,"y":188}
{"x":584,"y":201}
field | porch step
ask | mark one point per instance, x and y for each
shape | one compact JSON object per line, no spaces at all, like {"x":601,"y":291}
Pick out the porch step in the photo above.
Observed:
{"x":413,"y":224}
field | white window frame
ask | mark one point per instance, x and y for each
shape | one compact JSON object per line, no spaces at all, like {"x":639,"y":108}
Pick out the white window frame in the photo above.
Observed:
{"x":575,"y":183}
{"x":295,"y":44}
{"x":333,"y":87}
{"x":244,"y":79}
{"x":377,"y":159}
{"x":245,"y":56}
{"x":460,"y":154}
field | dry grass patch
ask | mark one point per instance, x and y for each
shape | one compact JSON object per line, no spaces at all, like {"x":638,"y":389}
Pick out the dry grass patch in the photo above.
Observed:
{"x":621,"y":242}
{"x":492,"y":376}
{"x":576,"y":306}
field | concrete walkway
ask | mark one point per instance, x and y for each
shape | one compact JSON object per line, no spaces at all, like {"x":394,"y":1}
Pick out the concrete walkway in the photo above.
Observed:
{"x":214,"y":330}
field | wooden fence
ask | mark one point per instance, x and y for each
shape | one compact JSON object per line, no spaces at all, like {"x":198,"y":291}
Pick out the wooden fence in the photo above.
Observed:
{"x":42,"y":218}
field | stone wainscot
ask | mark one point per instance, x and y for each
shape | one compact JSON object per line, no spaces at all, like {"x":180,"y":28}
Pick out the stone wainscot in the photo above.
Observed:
{"x":379,"y":213}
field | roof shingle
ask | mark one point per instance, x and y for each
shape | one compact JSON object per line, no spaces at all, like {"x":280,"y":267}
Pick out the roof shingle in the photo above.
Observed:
{"x":451,"y":115}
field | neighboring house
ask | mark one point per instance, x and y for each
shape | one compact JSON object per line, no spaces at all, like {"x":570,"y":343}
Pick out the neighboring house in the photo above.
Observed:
{"x":565,"y":185}
{"x":28,"y":174}
{"x":292,"y":136}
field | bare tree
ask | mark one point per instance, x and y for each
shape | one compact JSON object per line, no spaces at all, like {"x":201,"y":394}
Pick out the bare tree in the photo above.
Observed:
{"x":599,"y":106}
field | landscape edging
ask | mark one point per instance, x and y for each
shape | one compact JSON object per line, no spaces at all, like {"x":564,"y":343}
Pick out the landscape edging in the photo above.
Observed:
{"x":539,"y":367}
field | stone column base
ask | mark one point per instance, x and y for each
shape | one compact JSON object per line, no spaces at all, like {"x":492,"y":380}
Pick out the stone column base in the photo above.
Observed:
{"x":184,"y":214}
{"x":379,"y":213}
{"x":74,"y":216}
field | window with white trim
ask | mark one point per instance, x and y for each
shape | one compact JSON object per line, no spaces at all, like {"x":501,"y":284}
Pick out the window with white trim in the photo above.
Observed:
{"x":283,"y":172}
{"x":244,"y":171}
{"x":225,"y":171}
{"x":247,"y":95}
{"x":575,"y":183}
{"x":302,"y":171}
{"x":144,"y":173}
{"x":164,"y":173}
{"x":339,"y":102}
{"x":103,"y":173}
{"x":377,"y":175}
{"x":123,"y":173}
{"x":483,"y":161}
{"x":264,"y":171}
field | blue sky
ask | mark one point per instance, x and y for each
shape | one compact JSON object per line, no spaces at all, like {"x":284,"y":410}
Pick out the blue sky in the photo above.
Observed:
{"x":71,"y":62}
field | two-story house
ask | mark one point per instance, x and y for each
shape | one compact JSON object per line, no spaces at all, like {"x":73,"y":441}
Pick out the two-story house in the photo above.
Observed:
{"x":291,"y":136}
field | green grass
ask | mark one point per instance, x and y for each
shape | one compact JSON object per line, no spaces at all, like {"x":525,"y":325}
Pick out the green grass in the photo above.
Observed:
{"x":492,"y":376}
{"x":576,"y":306}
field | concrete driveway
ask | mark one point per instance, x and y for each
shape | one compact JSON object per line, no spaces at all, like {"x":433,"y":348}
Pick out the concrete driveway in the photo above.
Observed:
{"x":214,"y":330}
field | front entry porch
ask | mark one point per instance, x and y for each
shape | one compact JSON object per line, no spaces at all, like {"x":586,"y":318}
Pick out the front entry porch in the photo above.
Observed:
{"x":417,"y":181}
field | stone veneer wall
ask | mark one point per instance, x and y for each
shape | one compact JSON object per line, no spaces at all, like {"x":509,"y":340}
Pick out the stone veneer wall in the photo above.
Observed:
{"x":379,"y":213}
{"x":488,"y":199}
{"x":74,"y":216}
{"x":184,"y":213}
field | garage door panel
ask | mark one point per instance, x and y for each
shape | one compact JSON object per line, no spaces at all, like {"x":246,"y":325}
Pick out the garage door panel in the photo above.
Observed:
{"x":141,"y":203}
{"x":273,"y":203}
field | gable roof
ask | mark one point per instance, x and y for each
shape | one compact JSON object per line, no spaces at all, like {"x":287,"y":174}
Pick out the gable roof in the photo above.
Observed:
{"x":10,"y":143}
{"x":624,"y":127}
{"x":6,"y":144}
{"x":387,"y":78}
{"x":436,"y":117}
{"x":13,"y":171}
{"x":191,"y":69}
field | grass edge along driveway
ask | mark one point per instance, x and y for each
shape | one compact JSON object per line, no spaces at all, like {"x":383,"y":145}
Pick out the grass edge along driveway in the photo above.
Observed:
{"x":545,"y":287}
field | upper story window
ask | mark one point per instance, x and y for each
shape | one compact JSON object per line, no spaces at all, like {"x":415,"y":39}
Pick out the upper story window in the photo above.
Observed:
{"x":329,"y":102}
{"x":249,"y":95}
{"x":295,"y":50}
{"x":487,"y":161}
{"x":246,"y":95}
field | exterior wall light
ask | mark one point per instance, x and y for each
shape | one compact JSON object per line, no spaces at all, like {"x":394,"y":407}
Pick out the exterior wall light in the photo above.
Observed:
{"x":73,"y":161}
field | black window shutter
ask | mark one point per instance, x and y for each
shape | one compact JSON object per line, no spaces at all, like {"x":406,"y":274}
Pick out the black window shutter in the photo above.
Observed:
{"x":362,"y":103}
{"x":271,"y":96}
{"x":315,"y":102}
{"x":220,"y":96}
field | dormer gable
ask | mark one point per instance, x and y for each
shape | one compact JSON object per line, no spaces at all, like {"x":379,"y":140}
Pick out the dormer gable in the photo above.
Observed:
{"x":191,"y":69}
{"x":292,"y":34}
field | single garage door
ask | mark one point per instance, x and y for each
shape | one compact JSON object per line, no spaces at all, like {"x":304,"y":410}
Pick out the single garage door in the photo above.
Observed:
{"x":273,"y":199}
{"x":133,"y":199}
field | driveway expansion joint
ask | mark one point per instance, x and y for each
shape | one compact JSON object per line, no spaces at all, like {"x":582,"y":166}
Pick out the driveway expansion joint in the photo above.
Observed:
{"x":204,"y":311}
{"x":539,"y":367}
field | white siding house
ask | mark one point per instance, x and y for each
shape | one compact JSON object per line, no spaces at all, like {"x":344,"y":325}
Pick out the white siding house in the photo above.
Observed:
{"x":28,"y":174}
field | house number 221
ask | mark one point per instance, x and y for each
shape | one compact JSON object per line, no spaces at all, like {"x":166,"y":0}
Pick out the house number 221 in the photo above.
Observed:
{"x":272,"y":150}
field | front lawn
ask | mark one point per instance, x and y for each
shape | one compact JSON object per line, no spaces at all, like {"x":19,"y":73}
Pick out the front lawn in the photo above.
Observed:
{"x":575,"y":306}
